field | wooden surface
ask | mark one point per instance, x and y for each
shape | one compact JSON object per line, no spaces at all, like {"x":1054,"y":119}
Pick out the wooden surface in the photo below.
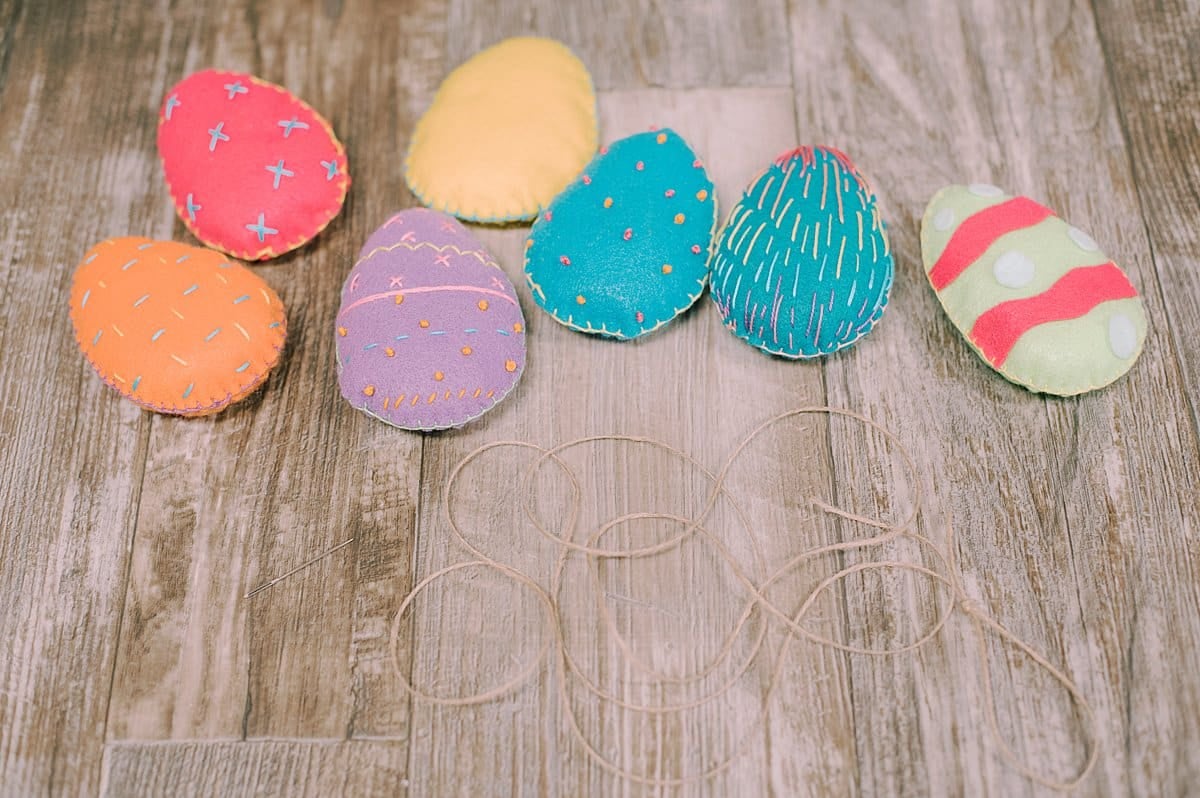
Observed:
{"x":132,"y":663}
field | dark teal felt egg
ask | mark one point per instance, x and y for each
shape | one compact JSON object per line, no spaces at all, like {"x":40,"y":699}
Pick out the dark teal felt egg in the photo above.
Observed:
{"x":624,"y":249}
{"x":803,"y":267}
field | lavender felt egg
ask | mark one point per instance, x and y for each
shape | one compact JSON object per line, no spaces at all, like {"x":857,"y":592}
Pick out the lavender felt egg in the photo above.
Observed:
{"x":430,"y":334}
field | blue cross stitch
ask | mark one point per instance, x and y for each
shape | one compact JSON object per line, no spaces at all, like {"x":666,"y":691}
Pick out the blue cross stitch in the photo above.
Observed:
{"x":261,"y":229}
{"x":235,"y":89}
{"x":172,"y":103}
{"x":331,"y":168}
{"x":192,"y":207}
{"x":279,"y":172}
{"x":289,"y":125}
{"x":217,"y":135}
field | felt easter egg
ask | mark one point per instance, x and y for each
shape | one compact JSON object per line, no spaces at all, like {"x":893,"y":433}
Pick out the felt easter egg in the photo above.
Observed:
{"x":507,"y":130}
{"x":253,"y":170}
{"x":624,"y":249}
{"x":803,"y":267}
{"x":430,"y":334}
{"x":174,"y":328}
{"x":1035,"y":297}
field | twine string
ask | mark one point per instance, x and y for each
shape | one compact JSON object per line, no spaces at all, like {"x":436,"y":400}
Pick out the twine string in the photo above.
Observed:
{"x":756,"y":582}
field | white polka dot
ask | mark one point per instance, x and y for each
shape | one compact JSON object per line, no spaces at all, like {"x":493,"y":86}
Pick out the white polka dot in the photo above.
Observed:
{"x":984,"y":190}
{"x":1013,"y":269}
{"x":1122,"y":336}
{"x":1082,"y":240}
{"x":944,"y":219}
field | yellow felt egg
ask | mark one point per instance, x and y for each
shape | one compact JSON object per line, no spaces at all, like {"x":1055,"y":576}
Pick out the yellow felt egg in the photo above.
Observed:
{"x":507,"y":131}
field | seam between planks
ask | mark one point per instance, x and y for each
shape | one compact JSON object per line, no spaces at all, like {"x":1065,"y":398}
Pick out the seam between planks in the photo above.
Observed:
{"x":142,"y":454}
{"x":1123,"y":126}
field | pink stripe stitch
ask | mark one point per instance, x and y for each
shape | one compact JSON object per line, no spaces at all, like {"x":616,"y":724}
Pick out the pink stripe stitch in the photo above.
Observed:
{"x":428,"y":289}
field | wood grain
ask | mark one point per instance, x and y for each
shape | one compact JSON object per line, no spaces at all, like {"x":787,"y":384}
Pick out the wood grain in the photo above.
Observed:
{"x":265,"y":767}
{"x":71,"y":455}
{"x":1152,"y":62}
{"x":640,"y":43}
{"x":136,"y":665}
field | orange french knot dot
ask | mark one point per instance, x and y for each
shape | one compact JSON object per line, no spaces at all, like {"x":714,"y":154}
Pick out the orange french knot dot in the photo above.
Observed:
{"x":662,"y":138}
{"x":518,"y":327}
{"x":510,"y":365}
{"x":528,"y":243}
{"x":424,"y":323}
{"x":466,"y":350}
{"x":342,"y":331}
{"x":399,"y":299}
{"x":702,"y":195}
{"x":390,"y":352}
{"x":679,"y":218}
{"x":666,"y":268}
{"x":608,"y":202}
{"x":483,"y":305}
{"x":439,"y":376}
{"x":580,"y":299}
{"x":369,"y":390}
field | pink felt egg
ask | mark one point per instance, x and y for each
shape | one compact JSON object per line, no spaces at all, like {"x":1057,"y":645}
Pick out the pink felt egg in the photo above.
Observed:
{"x":253,"y":170}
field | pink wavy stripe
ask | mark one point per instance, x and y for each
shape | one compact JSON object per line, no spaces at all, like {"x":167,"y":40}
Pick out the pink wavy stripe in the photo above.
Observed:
{"x":978,"y":231}
{"x":1078,"y":291}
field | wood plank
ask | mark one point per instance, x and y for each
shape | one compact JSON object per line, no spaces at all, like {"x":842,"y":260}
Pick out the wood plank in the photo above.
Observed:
{"x":1153,"y":73}
{"x":72,"y":455}
{"x":264,"y":767}
{"x":391,"y":490}
{"x":1150,"y":54}
{"x":640,"y":43}
{"x":1066,"y":509}
{"x":233,"y":501}
{"x":678,"y":385}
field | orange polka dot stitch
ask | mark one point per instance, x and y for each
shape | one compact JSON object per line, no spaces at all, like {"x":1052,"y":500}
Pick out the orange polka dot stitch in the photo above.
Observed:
{"x":661,"y":138}
{"x":483,"y":304}
{"x":399,"y":299}
{"x":679,"y":218}
{"x":424,"y":323}
{"x":439,"y":376}
{"x":510,"y":366}
{"x":466,"y":350}
{"x":369,"y":390}
{"x":702,"y":195}
{"x":666,"y":269}
{"x":580,"y":299}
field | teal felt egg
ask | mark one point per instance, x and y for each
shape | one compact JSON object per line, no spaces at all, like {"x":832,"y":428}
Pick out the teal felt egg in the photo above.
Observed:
{"x":624,"y":249}
{"x":803,"y":267}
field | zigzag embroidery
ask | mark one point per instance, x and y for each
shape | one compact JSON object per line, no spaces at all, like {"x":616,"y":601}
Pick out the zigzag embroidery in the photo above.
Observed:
{"x":478,"y":254}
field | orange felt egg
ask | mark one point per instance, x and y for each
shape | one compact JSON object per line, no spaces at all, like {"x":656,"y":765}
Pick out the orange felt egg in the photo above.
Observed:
{"x":174,"y":328}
